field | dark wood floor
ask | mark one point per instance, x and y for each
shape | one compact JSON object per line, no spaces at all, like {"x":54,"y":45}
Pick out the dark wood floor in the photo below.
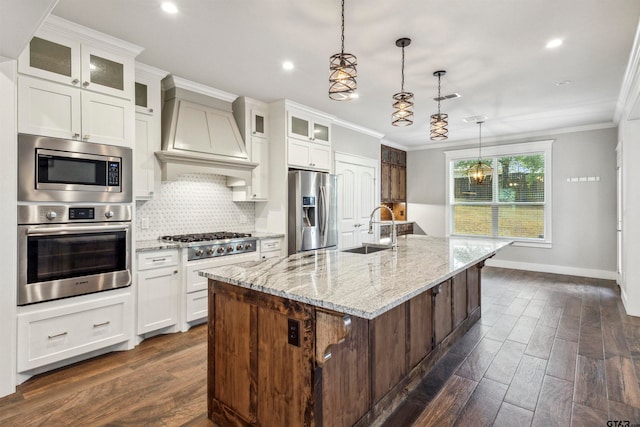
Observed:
{"x":548,"y":350}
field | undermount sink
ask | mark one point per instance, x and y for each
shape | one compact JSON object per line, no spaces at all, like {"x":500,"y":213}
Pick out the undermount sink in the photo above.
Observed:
{"x":367,"y":249}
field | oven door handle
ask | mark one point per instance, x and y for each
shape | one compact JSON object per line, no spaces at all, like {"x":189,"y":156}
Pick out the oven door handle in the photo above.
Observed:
{"x":44,"y":231}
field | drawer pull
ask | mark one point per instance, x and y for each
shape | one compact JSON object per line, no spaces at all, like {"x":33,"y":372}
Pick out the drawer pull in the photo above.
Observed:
{"x":58,"y":335}
{"x":158,"y":260}
{"x":97,"y":325}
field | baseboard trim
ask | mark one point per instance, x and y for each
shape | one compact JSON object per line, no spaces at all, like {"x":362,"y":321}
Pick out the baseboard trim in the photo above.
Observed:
{"x":556,"y":269}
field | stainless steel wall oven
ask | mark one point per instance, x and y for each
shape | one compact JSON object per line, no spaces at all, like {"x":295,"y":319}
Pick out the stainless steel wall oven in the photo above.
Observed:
{"x":68,"y":250}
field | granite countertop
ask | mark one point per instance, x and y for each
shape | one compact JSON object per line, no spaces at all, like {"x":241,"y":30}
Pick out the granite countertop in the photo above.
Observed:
{"x":157,"y":244}
{"x":360,"y":285}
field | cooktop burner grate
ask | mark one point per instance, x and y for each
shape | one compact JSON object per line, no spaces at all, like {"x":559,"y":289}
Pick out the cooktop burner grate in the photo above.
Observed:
{"x":205,"y":237}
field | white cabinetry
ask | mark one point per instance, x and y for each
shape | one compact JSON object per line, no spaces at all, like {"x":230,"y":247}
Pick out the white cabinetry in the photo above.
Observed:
{"x":309,"y":140}
{"x":252,"y":119}
{"x":158,"y":284}
{"x":146,"y":167}
{"x":81,"y":85}
{"x":50,"y":335}
{"x":270,"y":248}
{"x":52,"y":109}
{"x":307,"y":127}
{"x":309,"y":155}
{"x":77,"y":63}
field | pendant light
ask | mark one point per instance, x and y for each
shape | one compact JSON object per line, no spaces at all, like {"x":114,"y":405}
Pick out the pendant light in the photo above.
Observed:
{"x":403,"y":101}
{"x":479,"y":172}
{"x":439,"y":121}
{"x":342,"y":72}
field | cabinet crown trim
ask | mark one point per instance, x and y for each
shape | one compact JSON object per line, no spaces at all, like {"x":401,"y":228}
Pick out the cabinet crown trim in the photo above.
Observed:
{"x":87,"y":35}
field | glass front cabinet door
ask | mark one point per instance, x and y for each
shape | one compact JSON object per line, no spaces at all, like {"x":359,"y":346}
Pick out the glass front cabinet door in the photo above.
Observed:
{"x":56,"y":58}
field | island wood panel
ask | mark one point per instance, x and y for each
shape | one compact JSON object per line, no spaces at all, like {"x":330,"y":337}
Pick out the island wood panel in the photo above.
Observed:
{"x":345,"y":393}
{"x":442,"y":316}
{"x":284,"y":391}
{"x":459,"y":298}
{"x":387,"y":334}
{"x":473,"y":287}
{"x":385,"y":182}
{"x":234,"y":348}
{"x":259,"y":378}
{"x":419,"y":328}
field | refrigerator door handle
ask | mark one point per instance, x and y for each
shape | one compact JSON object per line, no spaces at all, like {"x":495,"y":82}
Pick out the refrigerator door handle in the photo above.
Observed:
{"x":325,"y":215}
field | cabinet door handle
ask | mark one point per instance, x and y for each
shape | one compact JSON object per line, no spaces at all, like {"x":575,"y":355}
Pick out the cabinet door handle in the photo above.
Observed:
{"x":86,"y":137}
{"x":158,"y":259}
{"x":75,"y":81}
{"x":58,"y":335}
{"x":97,"y":325}
{"x":151,"y":110}
{"x":85,"y":84}
{"x":76,"y":135}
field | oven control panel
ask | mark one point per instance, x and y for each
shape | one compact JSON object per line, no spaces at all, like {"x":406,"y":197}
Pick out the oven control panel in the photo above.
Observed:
{"x":61,"y":214}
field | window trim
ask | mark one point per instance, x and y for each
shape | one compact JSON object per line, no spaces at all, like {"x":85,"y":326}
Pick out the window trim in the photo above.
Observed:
{"x":544,"y":146}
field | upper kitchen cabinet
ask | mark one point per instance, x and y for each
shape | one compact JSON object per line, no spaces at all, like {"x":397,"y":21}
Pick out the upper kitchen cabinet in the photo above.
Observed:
{"x":52,"y":109}
{"x":77,"y":56}
{"x":308,"y":127}
{"x":147,"y":100}
{"x":76,"y":83}
{"x":252,"y":118}
{"x":393,"y":175}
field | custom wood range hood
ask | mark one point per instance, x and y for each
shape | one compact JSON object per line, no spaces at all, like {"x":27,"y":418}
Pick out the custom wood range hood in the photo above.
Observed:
{"x":199,"y":133}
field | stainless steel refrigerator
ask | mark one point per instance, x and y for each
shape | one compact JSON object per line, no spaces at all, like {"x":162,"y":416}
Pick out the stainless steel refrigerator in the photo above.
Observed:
{"x":313,"y":213}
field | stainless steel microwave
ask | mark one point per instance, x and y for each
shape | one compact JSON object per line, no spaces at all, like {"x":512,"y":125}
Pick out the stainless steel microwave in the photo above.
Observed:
{"x":62,"y":170}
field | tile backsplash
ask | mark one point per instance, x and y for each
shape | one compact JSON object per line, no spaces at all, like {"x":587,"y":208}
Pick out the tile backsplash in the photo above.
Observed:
{"x":195,"y":203}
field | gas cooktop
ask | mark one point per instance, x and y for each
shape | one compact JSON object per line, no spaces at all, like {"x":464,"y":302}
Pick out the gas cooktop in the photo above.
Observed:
{"x":215,"y":244}
{"x":205,"y":237}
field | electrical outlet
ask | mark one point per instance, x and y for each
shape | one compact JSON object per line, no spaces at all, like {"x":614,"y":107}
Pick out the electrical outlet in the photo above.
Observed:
{"x":293,"y":332}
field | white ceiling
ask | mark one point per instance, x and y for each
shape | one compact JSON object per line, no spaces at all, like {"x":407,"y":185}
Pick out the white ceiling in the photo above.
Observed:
{"x":493,"y":51}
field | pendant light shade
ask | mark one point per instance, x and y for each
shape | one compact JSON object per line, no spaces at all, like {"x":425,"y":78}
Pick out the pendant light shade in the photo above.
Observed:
{"x":479,"y":172}
{"x":403,"y":101}
{"x":342,"y":71}
{"x":439,"y":121}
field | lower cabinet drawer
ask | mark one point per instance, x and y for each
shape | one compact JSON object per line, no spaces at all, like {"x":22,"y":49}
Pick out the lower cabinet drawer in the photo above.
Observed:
{"x":197,"y":306}
{"x":49,"y":336}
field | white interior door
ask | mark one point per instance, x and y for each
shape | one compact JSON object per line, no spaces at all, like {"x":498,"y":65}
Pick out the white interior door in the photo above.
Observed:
{"x":357,"y":192}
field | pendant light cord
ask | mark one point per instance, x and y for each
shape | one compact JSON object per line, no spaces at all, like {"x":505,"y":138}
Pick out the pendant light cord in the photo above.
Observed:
{"x":342,"y":28}
{"x":480,"y":142}
{"x":402,"y":85}
{"x":439,"y":95}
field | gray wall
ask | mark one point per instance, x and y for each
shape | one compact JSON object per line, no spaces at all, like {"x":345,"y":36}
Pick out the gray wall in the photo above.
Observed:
{"x":584,"y":214}
{"x":344,"y":140}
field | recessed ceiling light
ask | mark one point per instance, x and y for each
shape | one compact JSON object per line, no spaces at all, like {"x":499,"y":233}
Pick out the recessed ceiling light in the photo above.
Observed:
{"x":553,"y":43}
{"x":169,"y":7}
{"x":564,"y":83}
{"x":287,"y":65}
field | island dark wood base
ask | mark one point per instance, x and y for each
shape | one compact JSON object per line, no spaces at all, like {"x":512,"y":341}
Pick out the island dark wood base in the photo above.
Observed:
{"x":273,"y":361}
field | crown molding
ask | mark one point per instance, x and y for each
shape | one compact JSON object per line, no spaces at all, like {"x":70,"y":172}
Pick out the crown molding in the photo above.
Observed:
{"x":172,"y":81}
{"x":629,"y":90}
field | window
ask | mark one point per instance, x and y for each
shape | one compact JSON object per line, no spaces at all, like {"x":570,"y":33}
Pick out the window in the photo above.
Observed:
{"x":513,"y":202}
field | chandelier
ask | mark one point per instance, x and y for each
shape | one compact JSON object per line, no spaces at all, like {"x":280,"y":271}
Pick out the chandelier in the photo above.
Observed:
{"x":403,"y":101}
{"x":439,"y":121}
{"x":342,"y":72}
{"x":479,"y":172}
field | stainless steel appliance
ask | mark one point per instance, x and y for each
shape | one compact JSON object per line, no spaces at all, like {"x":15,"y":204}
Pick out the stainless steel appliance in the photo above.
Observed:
{"x":312,"y":211}
{"x":215,"y":244}
{"x":61,"y":170}
{"x":68,"y":250}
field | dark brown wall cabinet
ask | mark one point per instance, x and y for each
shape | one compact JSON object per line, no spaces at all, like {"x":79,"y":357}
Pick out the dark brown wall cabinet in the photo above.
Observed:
{"x":394,"y":175}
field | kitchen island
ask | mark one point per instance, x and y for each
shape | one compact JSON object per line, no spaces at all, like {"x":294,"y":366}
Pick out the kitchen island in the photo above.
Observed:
{"x":335,"y":338}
